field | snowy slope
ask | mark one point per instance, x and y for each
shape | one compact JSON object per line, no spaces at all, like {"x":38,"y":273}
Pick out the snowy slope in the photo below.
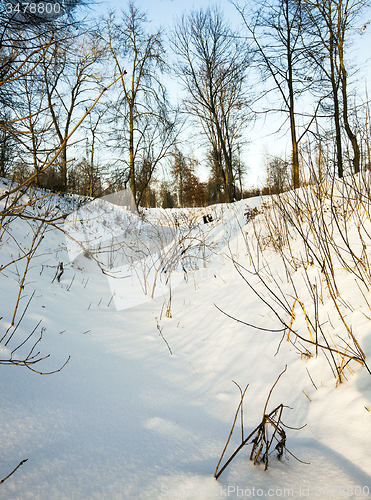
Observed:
{"x":128,"y":419}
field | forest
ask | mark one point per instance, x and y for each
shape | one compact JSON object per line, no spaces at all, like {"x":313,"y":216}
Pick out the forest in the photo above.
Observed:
{"x":87,"y":105}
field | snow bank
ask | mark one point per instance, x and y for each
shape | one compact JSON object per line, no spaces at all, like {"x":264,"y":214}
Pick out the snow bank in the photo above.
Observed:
{"x":125,"y":418}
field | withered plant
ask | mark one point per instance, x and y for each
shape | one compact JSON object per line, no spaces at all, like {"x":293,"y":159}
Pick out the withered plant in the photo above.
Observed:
{"x":268,"y":437}
{"x":321,"y":233}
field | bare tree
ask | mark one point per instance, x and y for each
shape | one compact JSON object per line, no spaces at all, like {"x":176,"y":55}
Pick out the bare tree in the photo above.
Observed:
{"x":332,"y":23}
{"x":7,"y":147}
{"x":212,"y":65}
{"x":27,"y":32}
{"x":323,"y":53}
{"x":91,"y":170}
{"x":188,"y":191}
{"x":70,"y":75}
{"x":145,"y":129}
{"x":31,"y":113}
{"x":277,"y":29}
{"x":278,"y":175}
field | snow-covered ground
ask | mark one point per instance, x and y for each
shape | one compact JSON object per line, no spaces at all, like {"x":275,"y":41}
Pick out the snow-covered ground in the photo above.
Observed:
{"x":145,"y":405}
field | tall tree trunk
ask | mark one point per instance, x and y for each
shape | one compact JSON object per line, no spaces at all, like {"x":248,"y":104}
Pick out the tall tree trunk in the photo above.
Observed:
{"x":131,"y":153}
{"x":91,"y":166}
{"x":295,"y":151}
{"x":290,"y":84}
{"x":335,"y":96}
{"x":227,"y":161}
{"x":343,"y":80}
{"x":339,"y":152}
{"x":351,"y":136}
{"x":63,"y":170}
{"x":34,"y":156}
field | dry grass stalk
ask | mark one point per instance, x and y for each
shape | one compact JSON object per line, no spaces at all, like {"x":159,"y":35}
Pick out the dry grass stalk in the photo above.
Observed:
{"x":331,"y":221}
{"x":262,"y":440}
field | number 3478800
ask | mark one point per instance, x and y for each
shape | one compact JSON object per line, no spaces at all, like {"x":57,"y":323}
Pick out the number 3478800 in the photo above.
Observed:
{"x":33,"y":8}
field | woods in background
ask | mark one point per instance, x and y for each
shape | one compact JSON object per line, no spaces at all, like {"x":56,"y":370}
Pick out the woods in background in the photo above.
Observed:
{"x":289,"y":59}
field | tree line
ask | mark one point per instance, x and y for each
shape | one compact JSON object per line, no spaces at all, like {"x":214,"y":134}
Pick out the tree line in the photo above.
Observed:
{"x":85,"y":105}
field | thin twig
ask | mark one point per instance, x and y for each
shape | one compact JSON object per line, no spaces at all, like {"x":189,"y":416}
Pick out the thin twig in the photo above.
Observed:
{"x":13,"y":471}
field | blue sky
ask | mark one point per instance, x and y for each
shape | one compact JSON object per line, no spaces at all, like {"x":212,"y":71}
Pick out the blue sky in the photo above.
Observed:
{"x":163,"y":12}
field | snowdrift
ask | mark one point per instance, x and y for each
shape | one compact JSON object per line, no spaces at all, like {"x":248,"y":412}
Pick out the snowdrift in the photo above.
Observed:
{"x":153,"y":310}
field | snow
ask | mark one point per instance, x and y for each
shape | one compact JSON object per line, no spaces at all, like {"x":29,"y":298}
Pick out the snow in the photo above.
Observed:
{"x":125,"y":418}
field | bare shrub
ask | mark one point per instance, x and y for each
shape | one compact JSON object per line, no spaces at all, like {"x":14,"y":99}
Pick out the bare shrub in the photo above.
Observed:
{"x":321,"y":232}
{"x":270,"y":432}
